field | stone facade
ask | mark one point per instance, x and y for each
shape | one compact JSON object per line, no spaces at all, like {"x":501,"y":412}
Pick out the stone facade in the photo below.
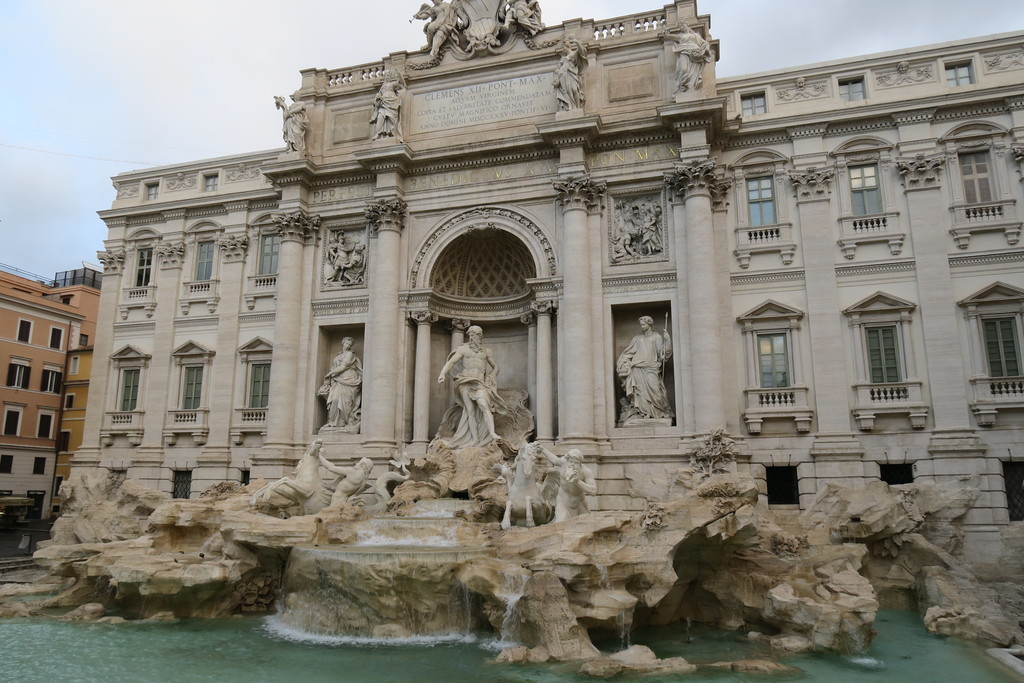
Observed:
{"x":833,"y":249}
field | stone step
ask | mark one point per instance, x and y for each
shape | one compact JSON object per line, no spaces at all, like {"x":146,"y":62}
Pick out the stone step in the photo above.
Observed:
{"x":15,"y":563}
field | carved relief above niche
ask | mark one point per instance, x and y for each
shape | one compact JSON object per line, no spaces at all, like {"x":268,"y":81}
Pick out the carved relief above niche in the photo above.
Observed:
{"x":344,"y":258}
{"x":637,"y":231}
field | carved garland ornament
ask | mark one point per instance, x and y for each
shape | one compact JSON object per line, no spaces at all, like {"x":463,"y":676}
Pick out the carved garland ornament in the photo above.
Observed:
{"x":480,"y":215}
{"x":904,"y":75}
{"x":802,"y":91}
{"x":1009,"y":60}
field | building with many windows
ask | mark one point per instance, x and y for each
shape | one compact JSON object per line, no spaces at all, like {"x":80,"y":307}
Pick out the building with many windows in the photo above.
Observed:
{"x":834,"y":251}
{"x":45,"y":325}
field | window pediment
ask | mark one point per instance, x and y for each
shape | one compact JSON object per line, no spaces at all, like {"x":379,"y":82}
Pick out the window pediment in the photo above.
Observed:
{"x":191,"y":350}
{"x":256,"y":345}
{"x":129,"y":353}
{"x":996,"y":293}
{"x":880,"y":302}
{"x":771,"y":312}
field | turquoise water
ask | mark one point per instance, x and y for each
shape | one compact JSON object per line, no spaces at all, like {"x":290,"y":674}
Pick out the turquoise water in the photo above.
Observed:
{"x":258,"y":649}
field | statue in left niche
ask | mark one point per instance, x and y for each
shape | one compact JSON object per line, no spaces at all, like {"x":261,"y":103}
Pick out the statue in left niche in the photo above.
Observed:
{"x":387,"y":106}
{"x":343,"y":389}
{"x":296,"y":123}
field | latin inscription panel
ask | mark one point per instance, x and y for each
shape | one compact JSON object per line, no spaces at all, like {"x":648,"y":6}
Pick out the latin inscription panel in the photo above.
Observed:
{"x":483,"y":103}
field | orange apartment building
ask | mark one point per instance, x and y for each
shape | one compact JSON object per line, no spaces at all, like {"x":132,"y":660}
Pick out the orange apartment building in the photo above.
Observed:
{"x":47,"y":329}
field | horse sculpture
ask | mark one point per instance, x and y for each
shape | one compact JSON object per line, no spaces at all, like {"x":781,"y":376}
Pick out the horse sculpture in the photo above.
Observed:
{"x":304,"y":487}
{"x":527,"y":496}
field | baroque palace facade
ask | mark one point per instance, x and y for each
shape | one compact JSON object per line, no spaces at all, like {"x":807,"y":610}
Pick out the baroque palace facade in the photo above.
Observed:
{"x":834,"y":251}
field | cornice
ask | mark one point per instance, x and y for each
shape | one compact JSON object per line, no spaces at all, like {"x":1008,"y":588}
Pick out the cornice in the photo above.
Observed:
{"x":881,"y":268}
{"x":1014,"y":256}
{"x":639,"y":282}
{"x":771,"y":277}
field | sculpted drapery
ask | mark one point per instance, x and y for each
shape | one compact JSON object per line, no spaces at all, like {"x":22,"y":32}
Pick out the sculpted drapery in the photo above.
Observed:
{"x":640,"y":368}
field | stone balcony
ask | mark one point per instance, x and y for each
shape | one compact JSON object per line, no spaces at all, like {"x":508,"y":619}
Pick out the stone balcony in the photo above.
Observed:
{"x":881,"y":227}
{"x":894,"y":398}
{"x":126,"y":423}
{"x":138,"y":297}
{"x":992,"y":394}
{"x":192,"y":422}
{"x":248,"y":421}
{"x":788,"y":403}
{"x":259,"y":286}
{"x":201,"y":292}
{"x":969,"y":219}
{"x":765,"y":239}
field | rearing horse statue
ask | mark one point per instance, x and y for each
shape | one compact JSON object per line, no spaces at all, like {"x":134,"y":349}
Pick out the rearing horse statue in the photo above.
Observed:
{"x":304,"y":487}
{"x":526,"y":500}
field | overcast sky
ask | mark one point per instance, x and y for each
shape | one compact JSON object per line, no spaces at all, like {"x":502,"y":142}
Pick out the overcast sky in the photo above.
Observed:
{"x":94,"y":88}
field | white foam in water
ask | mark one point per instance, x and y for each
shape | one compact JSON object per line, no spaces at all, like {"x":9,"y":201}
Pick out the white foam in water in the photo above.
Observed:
{"x":867,"y":662}
{"x":274,"y":626}
{"x":374,"y":539}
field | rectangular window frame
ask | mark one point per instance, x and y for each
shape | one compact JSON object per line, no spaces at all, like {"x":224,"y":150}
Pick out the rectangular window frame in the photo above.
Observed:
{"x":205,"y":252}
{"x":1000,"y":338}
{"x":959,"y":73}
{"x":761,"y":209}
{"x":270,"y":254}
{"x":57,"y":338}
{"x":884,"y":360}
{"x":152,"y":190}
{"x":143,"y":267}
{"x":51,"y":381}
{"x":39,"y":465}
{"x":12,"y":421}
{"x":19,"y":373}
{"x":64,"y":441}
{"x":192,"y":387}
{"x":25,"y":331}
{"x":129,"y":385}
{"x":753,"y":104}
{"x":976,"y":176}
{"x":47,"y":419}
{"x":782,"y":485}
{"x":777,"y":362}
{"x":181,"y":484}
{"x":865,"y":190}
{"x":211,"y":182}
{"x":259,"y":385}
{"x":852,"y":89}
{"x":73,"y":365}
{"x":7,"y":465}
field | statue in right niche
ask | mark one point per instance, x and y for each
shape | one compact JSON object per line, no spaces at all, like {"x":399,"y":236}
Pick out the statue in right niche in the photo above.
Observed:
{"x":343,"y":388}
{"x":640,"y":368}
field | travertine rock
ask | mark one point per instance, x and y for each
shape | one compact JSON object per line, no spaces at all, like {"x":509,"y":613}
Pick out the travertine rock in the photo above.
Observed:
{"x":101,"y":508}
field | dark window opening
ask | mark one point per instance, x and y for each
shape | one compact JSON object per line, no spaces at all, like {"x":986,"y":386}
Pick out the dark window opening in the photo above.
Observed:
{"x":6,"y":464}
{"x":1013,"y":476}
{"x":243,"y":476}
{"x":182,"y":487}
{"x":894,"y":475}
{"x":39,"y":466}
{"x":783,"y":488}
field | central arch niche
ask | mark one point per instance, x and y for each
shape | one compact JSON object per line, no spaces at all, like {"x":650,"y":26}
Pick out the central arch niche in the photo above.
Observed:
{"x":484,"y":263}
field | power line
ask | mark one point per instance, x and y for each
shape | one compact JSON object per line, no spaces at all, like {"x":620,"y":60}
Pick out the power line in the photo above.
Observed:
{"x":79,"y":156}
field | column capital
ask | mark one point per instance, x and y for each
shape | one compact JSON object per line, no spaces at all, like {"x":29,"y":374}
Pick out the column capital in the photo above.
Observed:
{"x":1018,"y":154}
{"x":171,"y":254}
{"x":422,"y":317}
{"x":699,"y":178}
{"x":112,"y":260}
{"x":459,"y":324}
{"x":388,"y":214}
{"x":580,"y":192}
{"x":297,"y":226}
{"x":529,"y":318}
{"x":233,"y":247}
{"x":921,"y":172}
{"x":813,"y":183}
{"x":544,"y":306}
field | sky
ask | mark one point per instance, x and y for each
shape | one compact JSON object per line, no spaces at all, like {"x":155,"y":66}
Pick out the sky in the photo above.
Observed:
{"x":93,"y":88}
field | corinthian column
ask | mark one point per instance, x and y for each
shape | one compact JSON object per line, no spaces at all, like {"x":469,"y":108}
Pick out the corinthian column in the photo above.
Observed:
{"x":386,"y":219}
{"x":577,"y":196}
{"x":421,"y":381}
{"x":296,"y":230}
{"x":695,"y":184}
{"x":544,"y":382}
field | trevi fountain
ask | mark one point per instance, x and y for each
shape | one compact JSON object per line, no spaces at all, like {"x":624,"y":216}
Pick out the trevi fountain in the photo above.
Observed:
{"x":477,"y":556}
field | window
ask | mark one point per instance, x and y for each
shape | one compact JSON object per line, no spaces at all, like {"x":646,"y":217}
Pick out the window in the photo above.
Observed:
{"x":12,"y":421}
{"x":45,"y":428}
{"x":864,"y":190}
{"x":130,"y":388}
{"x":959,"y":74}
{"x":25,"y":331}
{"x":783,"y":488}
{"x":192,"y":391}
{"x":5,"y":492}
{"x":69,"y":402}
{"x":1013,"y":476}
{"x":270,"y":250}
{"x":1001,"y":348}
{"x":17,"y":375}
{"x":182,"y":484}
{"x":73,"y":366}
{"x":39,"y":466}
{"x":210,"y":182}
{"x":883,"y":354}
{"x":204,"y":260}
{"x":975,"y":174}
{"x":6,"y":465}
{"x":56,"y":337}
{"x":760,"y":201}
{"x":244,"y":477}
{"x":143,"y":267}
{"x":753,"y":104}
{"x":894,"y":475}
{"x":773,"y":360}
{"x":851,"y":90}
{"x":259,"y":385}
{"x":152,"y":190}
{"x":51,"y":381}
{"x":64,"y":441}
{"x":83,"y":340}
{"x":57,"y":481}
